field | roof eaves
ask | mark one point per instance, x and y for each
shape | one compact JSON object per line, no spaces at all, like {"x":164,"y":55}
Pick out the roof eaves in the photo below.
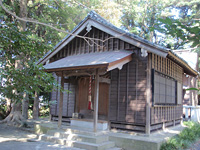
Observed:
{"x":183,"y":63}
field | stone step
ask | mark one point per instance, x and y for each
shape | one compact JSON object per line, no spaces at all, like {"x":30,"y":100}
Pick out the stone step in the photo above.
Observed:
{"x":83,"y":131}
{"x":91,"y":146}
{"x":114,"y":148}
{"x":77,"y":144}
{"x":79,"y":137}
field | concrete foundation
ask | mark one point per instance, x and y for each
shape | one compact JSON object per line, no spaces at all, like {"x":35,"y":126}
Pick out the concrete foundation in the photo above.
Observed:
{"x":86,"y":123}
{"x":122,"y":139}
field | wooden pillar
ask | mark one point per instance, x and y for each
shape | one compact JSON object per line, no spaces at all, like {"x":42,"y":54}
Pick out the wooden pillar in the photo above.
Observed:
{"x":149,"y":95}
{"x":96,"y":100}
{"x":61,"y":101}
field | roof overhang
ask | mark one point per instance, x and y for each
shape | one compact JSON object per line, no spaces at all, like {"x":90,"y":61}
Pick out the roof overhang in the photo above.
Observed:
{"x":108,"y":60}
{"x":187,"y":69}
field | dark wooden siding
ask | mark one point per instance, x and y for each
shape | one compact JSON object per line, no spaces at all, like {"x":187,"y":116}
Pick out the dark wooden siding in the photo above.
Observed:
{"x":68,"y":99}
{"x":81,"y":46}
{"x":128,"y":92}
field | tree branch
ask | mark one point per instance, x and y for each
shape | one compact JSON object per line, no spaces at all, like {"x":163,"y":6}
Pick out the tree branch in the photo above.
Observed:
{"x":59,"y":30}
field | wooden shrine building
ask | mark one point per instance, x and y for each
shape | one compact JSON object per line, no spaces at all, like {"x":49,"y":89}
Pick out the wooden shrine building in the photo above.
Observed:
{"x":135,"y":84}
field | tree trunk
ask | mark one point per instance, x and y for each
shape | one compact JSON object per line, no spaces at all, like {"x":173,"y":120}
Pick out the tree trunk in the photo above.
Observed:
{"x":23,"y":14}
{"x":15,"y":117}
{"x":25,"y":104}
{"x":8,"y":104}
{"x":36,"y":106}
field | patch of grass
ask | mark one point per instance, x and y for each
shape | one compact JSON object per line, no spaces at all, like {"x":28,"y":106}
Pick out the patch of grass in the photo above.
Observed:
{"x":182,"y":141}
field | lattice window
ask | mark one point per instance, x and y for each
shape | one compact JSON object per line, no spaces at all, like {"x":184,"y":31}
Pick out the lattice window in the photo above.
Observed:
{"x":164,"y":89}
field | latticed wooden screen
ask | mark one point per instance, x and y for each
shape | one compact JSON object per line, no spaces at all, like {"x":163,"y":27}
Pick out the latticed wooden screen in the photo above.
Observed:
{"x":164,"y":89}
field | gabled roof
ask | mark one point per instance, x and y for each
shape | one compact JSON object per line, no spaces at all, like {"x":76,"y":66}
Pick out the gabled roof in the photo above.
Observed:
{"x":100,"y":23}
{"x":97,"y":21}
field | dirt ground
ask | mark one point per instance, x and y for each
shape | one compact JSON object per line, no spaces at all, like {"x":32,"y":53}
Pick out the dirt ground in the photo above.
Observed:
{"x":13,"y":138}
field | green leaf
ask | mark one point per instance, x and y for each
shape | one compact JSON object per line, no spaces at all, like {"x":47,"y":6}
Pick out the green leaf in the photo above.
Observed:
{"x":192,"y":89}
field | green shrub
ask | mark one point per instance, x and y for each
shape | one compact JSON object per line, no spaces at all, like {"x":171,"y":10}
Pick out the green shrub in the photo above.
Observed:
{"x":44,"y":111}
{"x":184,"y":139}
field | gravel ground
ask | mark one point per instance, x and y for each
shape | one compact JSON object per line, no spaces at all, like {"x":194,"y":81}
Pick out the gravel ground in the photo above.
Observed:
{"x":13,"y":138}
{"x":195,"y":146}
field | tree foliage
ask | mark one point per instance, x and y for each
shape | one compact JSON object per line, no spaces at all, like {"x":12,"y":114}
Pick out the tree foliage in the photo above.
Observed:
{"x":23,"y":49}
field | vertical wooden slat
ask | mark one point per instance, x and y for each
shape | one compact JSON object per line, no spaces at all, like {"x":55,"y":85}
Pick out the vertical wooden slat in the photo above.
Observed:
{"x":118,"y":94}
{"x":93,"y":44}
{"x":68,"y":49}
{"x":161,"y":109}
{"x":123,"y":45}
{"x":152,"y":60}
{"x":89,"y":41}
{"x":80,"y":46}
{"x":170,"y":68}
{"x":159,"y":63}
{"x":107,"y":42}
{"x":118,"y":42}
{"x":72,"y":48}
{"x":160,"y":115}
{"x":97,"y":41}
{"x":152,"y":115}
{"x":163,"y":65}
{"x":84,"y":47}
{"x":156,"y":62}
{"x":127,"y":87}
{"x":56,"y":95}
{"x":174,"y":116}
{"x":112,"y":44}
{"x":76,"y":46}
{"x":65,"y":48}
{"x":96,"y":101}
{"x":102,"y":44}
{"x":61,"y":102}
{"x":68,"y":98}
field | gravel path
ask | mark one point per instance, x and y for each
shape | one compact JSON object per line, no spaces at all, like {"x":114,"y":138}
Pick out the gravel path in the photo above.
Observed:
{"x":12,"y":138}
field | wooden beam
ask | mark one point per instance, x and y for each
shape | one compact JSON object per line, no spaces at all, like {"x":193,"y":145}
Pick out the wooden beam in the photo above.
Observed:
{"x":96,"y":100}
{"x":149,"y":95}
{"x":104,"y":80}
{"x":61,"y":102}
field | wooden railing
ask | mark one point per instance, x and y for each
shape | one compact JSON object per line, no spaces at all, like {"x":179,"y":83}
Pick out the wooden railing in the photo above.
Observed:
{"x":161,"y":114}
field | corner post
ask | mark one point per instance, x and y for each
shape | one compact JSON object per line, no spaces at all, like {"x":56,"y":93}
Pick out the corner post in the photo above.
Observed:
{"x":96,"y":100}
{"x":148,"y":97}
{"x":61,"y":101}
